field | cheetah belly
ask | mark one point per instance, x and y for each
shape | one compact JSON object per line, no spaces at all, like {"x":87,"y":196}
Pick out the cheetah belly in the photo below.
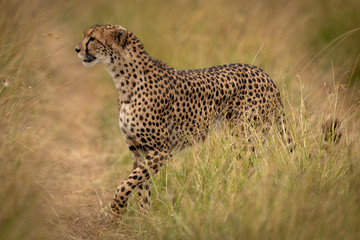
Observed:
{"x":185,"y":132}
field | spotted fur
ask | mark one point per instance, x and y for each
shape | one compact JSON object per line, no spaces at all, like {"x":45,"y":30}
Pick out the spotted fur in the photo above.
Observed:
{"x":161,"y":108}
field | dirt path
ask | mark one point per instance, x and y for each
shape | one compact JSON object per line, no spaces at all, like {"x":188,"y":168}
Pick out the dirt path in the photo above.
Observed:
{"x":75,"y":171}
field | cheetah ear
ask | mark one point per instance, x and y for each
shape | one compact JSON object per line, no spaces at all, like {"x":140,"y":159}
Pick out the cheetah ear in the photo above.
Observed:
{"x":120,"y":35}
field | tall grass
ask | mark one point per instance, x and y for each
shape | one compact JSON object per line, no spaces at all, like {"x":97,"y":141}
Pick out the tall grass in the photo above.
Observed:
{"x":62,"y":153}
{"x":20,"y":212}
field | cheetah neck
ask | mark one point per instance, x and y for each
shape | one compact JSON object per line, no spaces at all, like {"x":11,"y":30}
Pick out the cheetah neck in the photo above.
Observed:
{"x":128,"y":68}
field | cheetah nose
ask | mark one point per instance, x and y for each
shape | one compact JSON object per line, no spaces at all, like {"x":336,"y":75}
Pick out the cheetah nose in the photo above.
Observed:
{"x":77,"y":50}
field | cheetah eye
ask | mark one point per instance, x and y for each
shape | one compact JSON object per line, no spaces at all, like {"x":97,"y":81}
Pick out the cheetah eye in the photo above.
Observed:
{"x":91,"y":39}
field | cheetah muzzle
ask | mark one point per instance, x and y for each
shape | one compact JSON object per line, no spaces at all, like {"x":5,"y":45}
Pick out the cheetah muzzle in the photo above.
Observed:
{"x":161,"y":108}
{"x":89,"y":58}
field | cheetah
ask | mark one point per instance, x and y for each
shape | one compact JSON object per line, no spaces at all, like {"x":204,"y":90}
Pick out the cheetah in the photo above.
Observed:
{"x":161,"y":108}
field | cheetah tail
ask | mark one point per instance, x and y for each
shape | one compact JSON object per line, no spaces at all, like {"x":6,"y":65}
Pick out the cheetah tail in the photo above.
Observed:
{"x":331,"y":130}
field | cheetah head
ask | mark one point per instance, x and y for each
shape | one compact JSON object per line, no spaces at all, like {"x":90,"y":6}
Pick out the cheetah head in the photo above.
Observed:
{"x":100,"y":43}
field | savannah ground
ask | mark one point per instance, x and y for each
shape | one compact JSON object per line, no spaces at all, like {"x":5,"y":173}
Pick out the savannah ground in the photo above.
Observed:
{"x":61,"y":150}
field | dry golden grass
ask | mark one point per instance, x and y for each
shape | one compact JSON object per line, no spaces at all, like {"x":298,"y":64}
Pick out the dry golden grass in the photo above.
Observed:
{"x":62,"y":154}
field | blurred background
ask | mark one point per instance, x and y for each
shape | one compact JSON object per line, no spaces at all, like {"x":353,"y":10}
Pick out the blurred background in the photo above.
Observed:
{"x":62,"y":153}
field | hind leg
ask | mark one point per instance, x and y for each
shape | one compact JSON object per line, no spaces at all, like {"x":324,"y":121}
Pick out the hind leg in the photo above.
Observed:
{"x":284,"y":132}
{"x":248,"y":133}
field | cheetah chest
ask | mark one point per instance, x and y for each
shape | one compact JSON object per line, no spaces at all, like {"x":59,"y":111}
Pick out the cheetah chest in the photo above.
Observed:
{"x":126,"y":121}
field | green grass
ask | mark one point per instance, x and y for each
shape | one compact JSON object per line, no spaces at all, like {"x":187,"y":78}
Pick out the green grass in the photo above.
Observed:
{"x":62,"y":154}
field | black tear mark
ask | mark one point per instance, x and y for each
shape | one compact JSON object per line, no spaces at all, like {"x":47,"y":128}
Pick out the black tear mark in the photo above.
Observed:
{"x":87,"y":44}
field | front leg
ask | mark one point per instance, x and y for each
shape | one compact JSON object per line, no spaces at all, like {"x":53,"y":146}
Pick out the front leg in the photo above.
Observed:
{"x":144,"y":189}
{"x":144,"y":194}
{"x":154,"y":160}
